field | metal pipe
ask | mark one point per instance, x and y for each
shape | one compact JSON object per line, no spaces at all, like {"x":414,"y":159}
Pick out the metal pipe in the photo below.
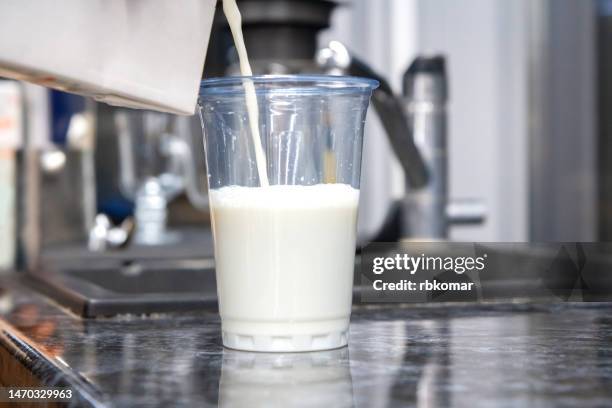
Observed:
{"x":426,"y":94}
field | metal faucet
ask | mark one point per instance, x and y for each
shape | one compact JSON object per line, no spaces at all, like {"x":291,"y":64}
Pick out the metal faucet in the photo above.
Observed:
{"x":416,"y":127}
{"x":427,"y":212}
{"x":335,"y":59}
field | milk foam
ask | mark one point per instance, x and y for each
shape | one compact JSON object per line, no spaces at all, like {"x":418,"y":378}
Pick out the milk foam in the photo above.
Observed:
{"x":285,"y":196}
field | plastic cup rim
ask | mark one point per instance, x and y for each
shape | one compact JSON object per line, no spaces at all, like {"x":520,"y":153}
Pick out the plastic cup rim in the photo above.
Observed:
{"x":298,"y":84}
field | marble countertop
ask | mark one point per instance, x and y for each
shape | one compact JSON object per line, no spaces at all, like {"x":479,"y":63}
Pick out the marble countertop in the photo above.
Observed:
{"x":441,"y":355}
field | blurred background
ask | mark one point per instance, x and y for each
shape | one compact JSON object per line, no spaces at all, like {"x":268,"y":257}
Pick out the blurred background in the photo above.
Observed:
{"x":505,"y":101}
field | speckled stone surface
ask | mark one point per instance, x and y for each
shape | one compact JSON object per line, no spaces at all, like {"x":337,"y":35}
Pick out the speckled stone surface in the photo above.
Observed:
{"x":444,"y":355}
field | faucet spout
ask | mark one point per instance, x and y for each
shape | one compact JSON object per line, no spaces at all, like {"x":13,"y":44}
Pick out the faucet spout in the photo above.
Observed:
{"x":336,"y":59}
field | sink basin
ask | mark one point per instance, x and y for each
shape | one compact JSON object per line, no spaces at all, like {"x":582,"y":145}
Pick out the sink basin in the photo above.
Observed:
{"x":131,"y":287}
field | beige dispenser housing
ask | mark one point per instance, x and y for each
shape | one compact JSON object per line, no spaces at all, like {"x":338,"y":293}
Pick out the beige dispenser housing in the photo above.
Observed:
{"x":140,"y":54}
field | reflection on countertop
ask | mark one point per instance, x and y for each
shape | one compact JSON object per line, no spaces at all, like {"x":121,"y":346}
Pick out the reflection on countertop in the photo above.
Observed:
{"x":320,"y":379}
{"x":443,"y":355}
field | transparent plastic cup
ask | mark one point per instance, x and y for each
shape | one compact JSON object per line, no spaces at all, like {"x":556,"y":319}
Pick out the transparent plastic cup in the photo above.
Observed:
{"x":285,"y":252}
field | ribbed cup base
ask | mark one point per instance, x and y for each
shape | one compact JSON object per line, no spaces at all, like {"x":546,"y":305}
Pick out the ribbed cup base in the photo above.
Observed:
{"x":285,"y":337}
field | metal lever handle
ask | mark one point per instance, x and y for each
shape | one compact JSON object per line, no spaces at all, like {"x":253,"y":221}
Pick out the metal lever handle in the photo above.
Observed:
{"x":337,"y":59}
{"x":466,"y":211}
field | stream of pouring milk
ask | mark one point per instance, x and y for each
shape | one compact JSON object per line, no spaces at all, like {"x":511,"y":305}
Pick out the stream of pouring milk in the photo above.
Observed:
{"x":230,"y":8}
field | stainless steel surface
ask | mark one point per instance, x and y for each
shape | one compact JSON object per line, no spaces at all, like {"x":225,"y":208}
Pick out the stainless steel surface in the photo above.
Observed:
{"x":604,"y":102}
{"x":56,"y":184}
{"x":55,"y":206}
{"x":66,"y":206}
{"x":110,"y":288}
{"x":28,"y":215}
{"x":562,"y":134}
{"x":28,"y":188}
{"x":445,"y":355}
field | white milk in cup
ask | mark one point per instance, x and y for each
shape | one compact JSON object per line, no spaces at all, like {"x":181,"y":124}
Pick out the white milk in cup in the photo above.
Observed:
{"x":283,"y":156}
